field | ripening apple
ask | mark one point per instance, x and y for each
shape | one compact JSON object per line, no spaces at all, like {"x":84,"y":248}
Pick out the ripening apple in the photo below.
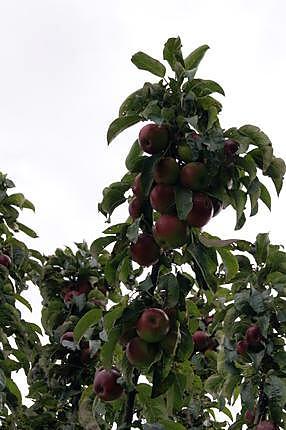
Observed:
{"x":241,"y":347}
{"x":253,"y":335}
{"x":201,"y":340}
{"x":249,"y":417}
{"x":170,"y":232}
{"x":145,"y":251}
{"x":154,"y":138}
{"x":194,"y":175}
{"x":5,"y":260}
{"x":162,"y":198}
{"x":135,"y":207}
{"x":105,"y":385}
{"x":166,"y":171}
{"x":137,"y":186}
{"x":202,"y":210}
{"x":266,"y":425}
{"x":153,"y":325}
{"x":140,"y":353}
{"x":230,"y":148}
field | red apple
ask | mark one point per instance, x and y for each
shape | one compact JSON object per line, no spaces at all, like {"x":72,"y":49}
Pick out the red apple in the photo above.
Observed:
{"x":166,"y":171}
{"x":135,"y":207}
{"x":137,"y":186}
{"x":241,"y":347}
{"x":230,"y":148}
{"x":253,"y":335}
{"x":249,"y":417}
{"x":68,"y":297}
{"x":170,"y":232}
{"x":154,"y":138}
{"x":5,"y":260}
{"x":266,"y":425}
{"x":194,"y":175}
{"x":145,"y":251}
{"x":153,"y":325}
{"x":201,"y":211}
{"x":105,"y":384}
{"x":201,"y":340}
{"x":140,"y":353}
{"x":162,"y":198}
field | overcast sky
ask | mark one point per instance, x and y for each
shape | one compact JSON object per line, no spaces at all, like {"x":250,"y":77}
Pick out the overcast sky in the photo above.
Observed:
{"x":65,"y":68}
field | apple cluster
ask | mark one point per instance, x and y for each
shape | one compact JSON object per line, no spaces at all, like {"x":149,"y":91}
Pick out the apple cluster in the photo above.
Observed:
{"x":252,"y":340}
{"x":174,"y":170}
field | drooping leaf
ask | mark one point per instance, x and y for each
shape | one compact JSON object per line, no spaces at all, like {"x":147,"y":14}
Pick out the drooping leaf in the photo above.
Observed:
{"x":120,"y":124}
{"x":193,"y":60}
{"x":184,"y":202}
{"x":87,"y":320}
{"x":145,"y":62}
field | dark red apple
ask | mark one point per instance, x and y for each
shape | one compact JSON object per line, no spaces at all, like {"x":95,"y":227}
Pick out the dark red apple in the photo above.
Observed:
{"x":153,"y":325}
{"x":241,"y":347}
{"x":230,"y":148}
{"x":154,"y":138}
{"x":253,"y":335}
{"x":194,"y":175}
{"x":5,"y":260}
{"x":105,"y":384}
{"x":135,"y":207}
{"x":166,"y":171}
{"x":137,"y":186}
{"x":170,"y":232}
{"x":140,"y":353}
{"x":249,"y":417}
{"x":145,"y":251}
{"x":266,"y":425}
{"x":202,"y":210}
{"x":201,"y":340}
{"x":162,"y":198}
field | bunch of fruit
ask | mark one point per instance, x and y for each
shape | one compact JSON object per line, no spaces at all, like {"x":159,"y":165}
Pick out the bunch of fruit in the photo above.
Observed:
{"x":173,"y":171}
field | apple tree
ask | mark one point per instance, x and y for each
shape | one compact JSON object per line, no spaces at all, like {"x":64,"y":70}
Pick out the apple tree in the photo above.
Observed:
{"x":159,"y":325}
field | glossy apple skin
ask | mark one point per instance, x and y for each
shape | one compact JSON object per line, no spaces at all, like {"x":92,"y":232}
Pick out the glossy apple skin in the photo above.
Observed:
{"x":105,"y":384}
{"x":202,"y":210}
{"x":266,"y":425}
{"x":241,"y":347}
{"x":140,"y":353}
{"x":153,"y":325}
{"x":201,"y":340}
{"x":162,"y":198}
{"x":5,"y":260}
{"x":137,"y":186}
{"x":170,"y":232}
{"x":166,"y":171}
{"x":153,"y":138}
{"x":145,"y":251}
{"x":194,"y":175}
{"x":253,"y":335}
{"x":135,"y":207}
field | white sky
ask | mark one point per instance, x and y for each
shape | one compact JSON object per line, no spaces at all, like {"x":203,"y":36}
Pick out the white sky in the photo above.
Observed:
{"x":65,"y":68}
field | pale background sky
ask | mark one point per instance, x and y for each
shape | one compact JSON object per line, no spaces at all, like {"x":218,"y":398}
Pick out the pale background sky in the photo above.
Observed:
{"x":65,"y":68}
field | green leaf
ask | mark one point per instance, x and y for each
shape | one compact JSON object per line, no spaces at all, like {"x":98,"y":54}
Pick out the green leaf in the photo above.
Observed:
{"x":276,"y":171}
{"x":28,"y":231}
{"x":108,"y":348}
{"x":248,"y":164}
{"x":262,"y":247}
{"x":171,"y":425}
{"x":133,"y":156}
{"x":254,"y":192}
{"x":213,"y":384}
{"x":265,"y":196}
{"x":184,"y":202}
{"x":133,"y":230}
{"x":230,"y":263}
{"x":146,"y":284}
{"x":87,"y":320}
{"x":145,"y":62}
{"x":24,"y":301}
{"x":275,"y":389}
{"x":102,"y":242}
{"x":214,"y":242}
{"x":2,"y":380}
{"x":172,"y":53}
{"x":258,"y":137}
{"x":120,"y":124}
{"x":19,"y":200}
{"x":230,"y":316}
{"x":13,"y":388}
{"x":153,"y":409}
{"x":124,"y":269}
{"x":205,"y":87}
{"x":113,"y":196}
{"x":169,"y":284}
{"x":193,"y":60}
{"x":147,"y":173}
